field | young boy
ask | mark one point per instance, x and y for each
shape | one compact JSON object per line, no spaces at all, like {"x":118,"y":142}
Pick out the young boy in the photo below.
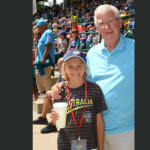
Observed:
{"x":84,"y":125}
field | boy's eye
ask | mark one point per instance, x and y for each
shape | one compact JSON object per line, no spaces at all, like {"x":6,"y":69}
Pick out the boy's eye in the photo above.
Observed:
{"x":79,"y":67}
{"x":70,"y":67}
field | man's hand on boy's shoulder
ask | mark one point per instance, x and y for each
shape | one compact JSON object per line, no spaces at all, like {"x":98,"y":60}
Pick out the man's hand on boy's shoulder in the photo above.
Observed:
{"x":56,"y":90}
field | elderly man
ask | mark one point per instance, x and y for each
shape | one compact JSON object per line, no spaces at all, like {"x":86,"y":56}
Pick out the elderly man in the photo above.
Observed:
{"x":45,"y":57}
{"x":111,"y":66}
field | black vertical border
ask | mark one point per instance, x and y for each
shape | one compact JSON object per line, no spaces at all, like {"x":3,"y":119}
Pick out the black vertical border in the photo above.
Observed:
{"x":16,"y":74}
{"x":142,"y":75}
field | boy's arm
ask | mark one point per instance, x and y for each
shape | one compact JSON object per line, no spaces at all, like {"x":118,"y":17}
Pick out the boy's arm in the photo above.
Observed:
{"x":100,"y":131}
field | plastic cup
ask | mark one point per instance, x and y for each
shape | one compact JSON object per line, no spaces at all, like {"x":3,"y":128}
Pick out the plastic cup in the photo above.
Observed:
{"x":61,"y":109}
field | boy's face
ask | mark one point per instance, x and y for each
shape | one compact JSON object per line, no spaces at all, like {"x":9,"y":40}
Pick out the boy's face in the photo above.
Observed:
{"x":75,"y":69}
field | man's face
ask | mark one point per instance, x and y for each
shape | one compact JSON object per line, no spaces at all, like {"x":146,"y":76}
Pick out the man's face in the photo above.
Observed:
{"x":41,"y":29}
{"x":108,"y":26}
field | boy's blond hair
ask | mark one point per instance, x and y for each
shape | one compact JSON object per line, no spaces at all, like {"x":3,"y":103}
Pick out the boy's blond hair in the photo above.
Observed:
{"x":64,"y":74}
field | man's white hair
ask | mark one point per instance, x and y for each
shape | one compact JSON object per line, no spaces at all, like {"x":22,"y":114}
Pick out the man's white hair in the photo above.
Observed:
{"x":103,"y":8}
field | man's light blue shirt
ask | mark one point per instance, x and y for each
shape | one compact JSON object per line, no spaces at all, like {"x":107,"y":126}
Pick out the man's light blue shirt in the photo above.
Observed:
{"x":114,"y":73}
{"x":46,"y":38}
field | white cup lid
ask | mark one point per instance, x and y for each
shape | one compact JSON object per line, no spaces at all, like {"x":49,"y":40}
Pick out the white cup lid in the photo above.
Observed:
{"x":60,"y":104}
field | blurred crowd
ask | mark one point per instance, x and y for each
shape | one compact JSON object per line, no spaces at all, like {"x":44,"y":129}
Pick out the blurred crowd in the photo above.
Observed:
{"x":73,"y":28}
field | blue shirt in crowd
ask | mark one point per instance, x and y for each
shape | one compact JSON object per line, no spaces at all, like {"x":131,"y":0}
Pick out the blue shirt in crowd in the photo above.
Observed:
{"x":47,"y":37}
{"x":114,"y":73}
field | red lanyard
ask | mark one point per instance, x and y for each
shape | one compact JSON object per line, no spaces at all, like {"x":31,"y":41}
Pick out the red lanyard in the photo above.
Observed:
{"x":83,"y":110}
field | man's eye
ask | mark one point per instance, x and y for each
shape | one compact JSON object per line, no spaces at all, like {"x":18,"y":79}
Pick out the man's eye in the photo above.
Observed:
{"x":100,"y":24}
{"x":110,"y":21}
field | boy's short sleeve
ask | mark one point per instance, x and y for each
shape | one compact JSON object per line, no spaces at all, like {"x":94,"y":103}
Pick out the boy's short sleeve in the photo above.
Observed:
{"x":100,"y":104}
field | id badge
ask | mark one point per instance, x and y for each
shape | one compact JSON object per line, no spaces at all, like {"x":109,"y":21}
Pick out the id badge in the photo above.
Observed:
{"x":79,"y":144}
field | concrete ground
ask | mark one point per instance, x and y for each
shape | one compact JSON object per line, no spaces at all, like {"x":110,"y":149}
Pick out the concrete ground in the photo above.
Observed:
{"x":43,"y":141}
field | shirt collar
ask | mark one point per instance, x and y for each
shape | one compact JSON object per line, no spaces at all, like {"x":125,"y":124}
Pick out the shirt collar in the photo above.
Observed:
{"x":119,"y":46}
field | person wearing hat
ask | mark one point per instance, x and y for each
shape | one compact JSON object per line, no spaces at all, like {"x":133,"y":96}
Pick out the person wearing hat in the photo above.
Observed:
{"x":74,"y":26}
{"x":61,"y":45}
{"x":74,"y":41}
{"x":84,"y":124}
{"x":45,"y":57}
{"x":65,"y":27}
{"x":83,"y":36}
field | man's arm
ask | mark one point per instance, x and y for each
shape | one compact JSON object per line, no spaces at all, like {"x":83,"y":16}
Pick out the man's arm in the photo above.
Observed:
{"x":46,"y":52}
{"x":56,"y":90}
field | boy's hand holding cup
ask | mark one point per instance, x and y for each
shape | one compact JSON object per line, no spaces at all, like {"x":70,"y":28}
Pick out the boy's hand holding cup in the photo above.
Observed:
{"x":59,"y":113}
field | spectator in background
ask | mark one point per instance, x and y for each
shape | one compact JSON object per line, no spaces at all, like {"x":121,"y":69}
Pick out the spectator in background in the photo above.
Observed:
{"x":55,"y":23}
{"x":65,"y":27}
{"x":74,"y":17}
{"x":62,"y":21}
{"x":97,"y":39}
{"x":74,"y":25}
{"x":74,"y":42}
{"x":91,"y":35}
{"x":36,"y":37}
{"x":34,"y":86}
{"x":45,"y":57}
{"x":61,"y":45}
{"x":44,"y":14}
{"x":79,"y":13}
{"x":89,"y":18}
{"x":83,"y":36}
{"x":59,"y":64}
{"x":47,"y":105}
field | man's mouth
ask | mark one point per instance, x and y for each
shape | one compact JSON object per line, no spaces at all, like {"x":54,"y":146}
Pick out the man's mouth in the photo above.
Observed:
{"x":107,"y":33}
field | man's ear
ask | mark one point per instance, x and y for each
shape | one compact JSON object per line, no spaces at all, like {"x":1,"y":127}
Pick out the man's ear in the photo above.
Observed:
{"x":120,"y":22}
{"x":97,"y":29}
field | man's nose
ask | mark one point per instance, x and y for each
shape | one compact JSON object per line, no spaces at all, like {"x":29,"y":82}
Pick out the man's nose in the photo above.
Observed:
{"x":106,"y":25}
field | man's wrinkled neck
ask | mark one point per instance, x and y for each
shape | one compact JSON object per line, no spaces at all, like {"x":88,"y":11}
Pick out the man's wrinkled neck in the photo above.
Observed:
{"x":110,"y":45}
